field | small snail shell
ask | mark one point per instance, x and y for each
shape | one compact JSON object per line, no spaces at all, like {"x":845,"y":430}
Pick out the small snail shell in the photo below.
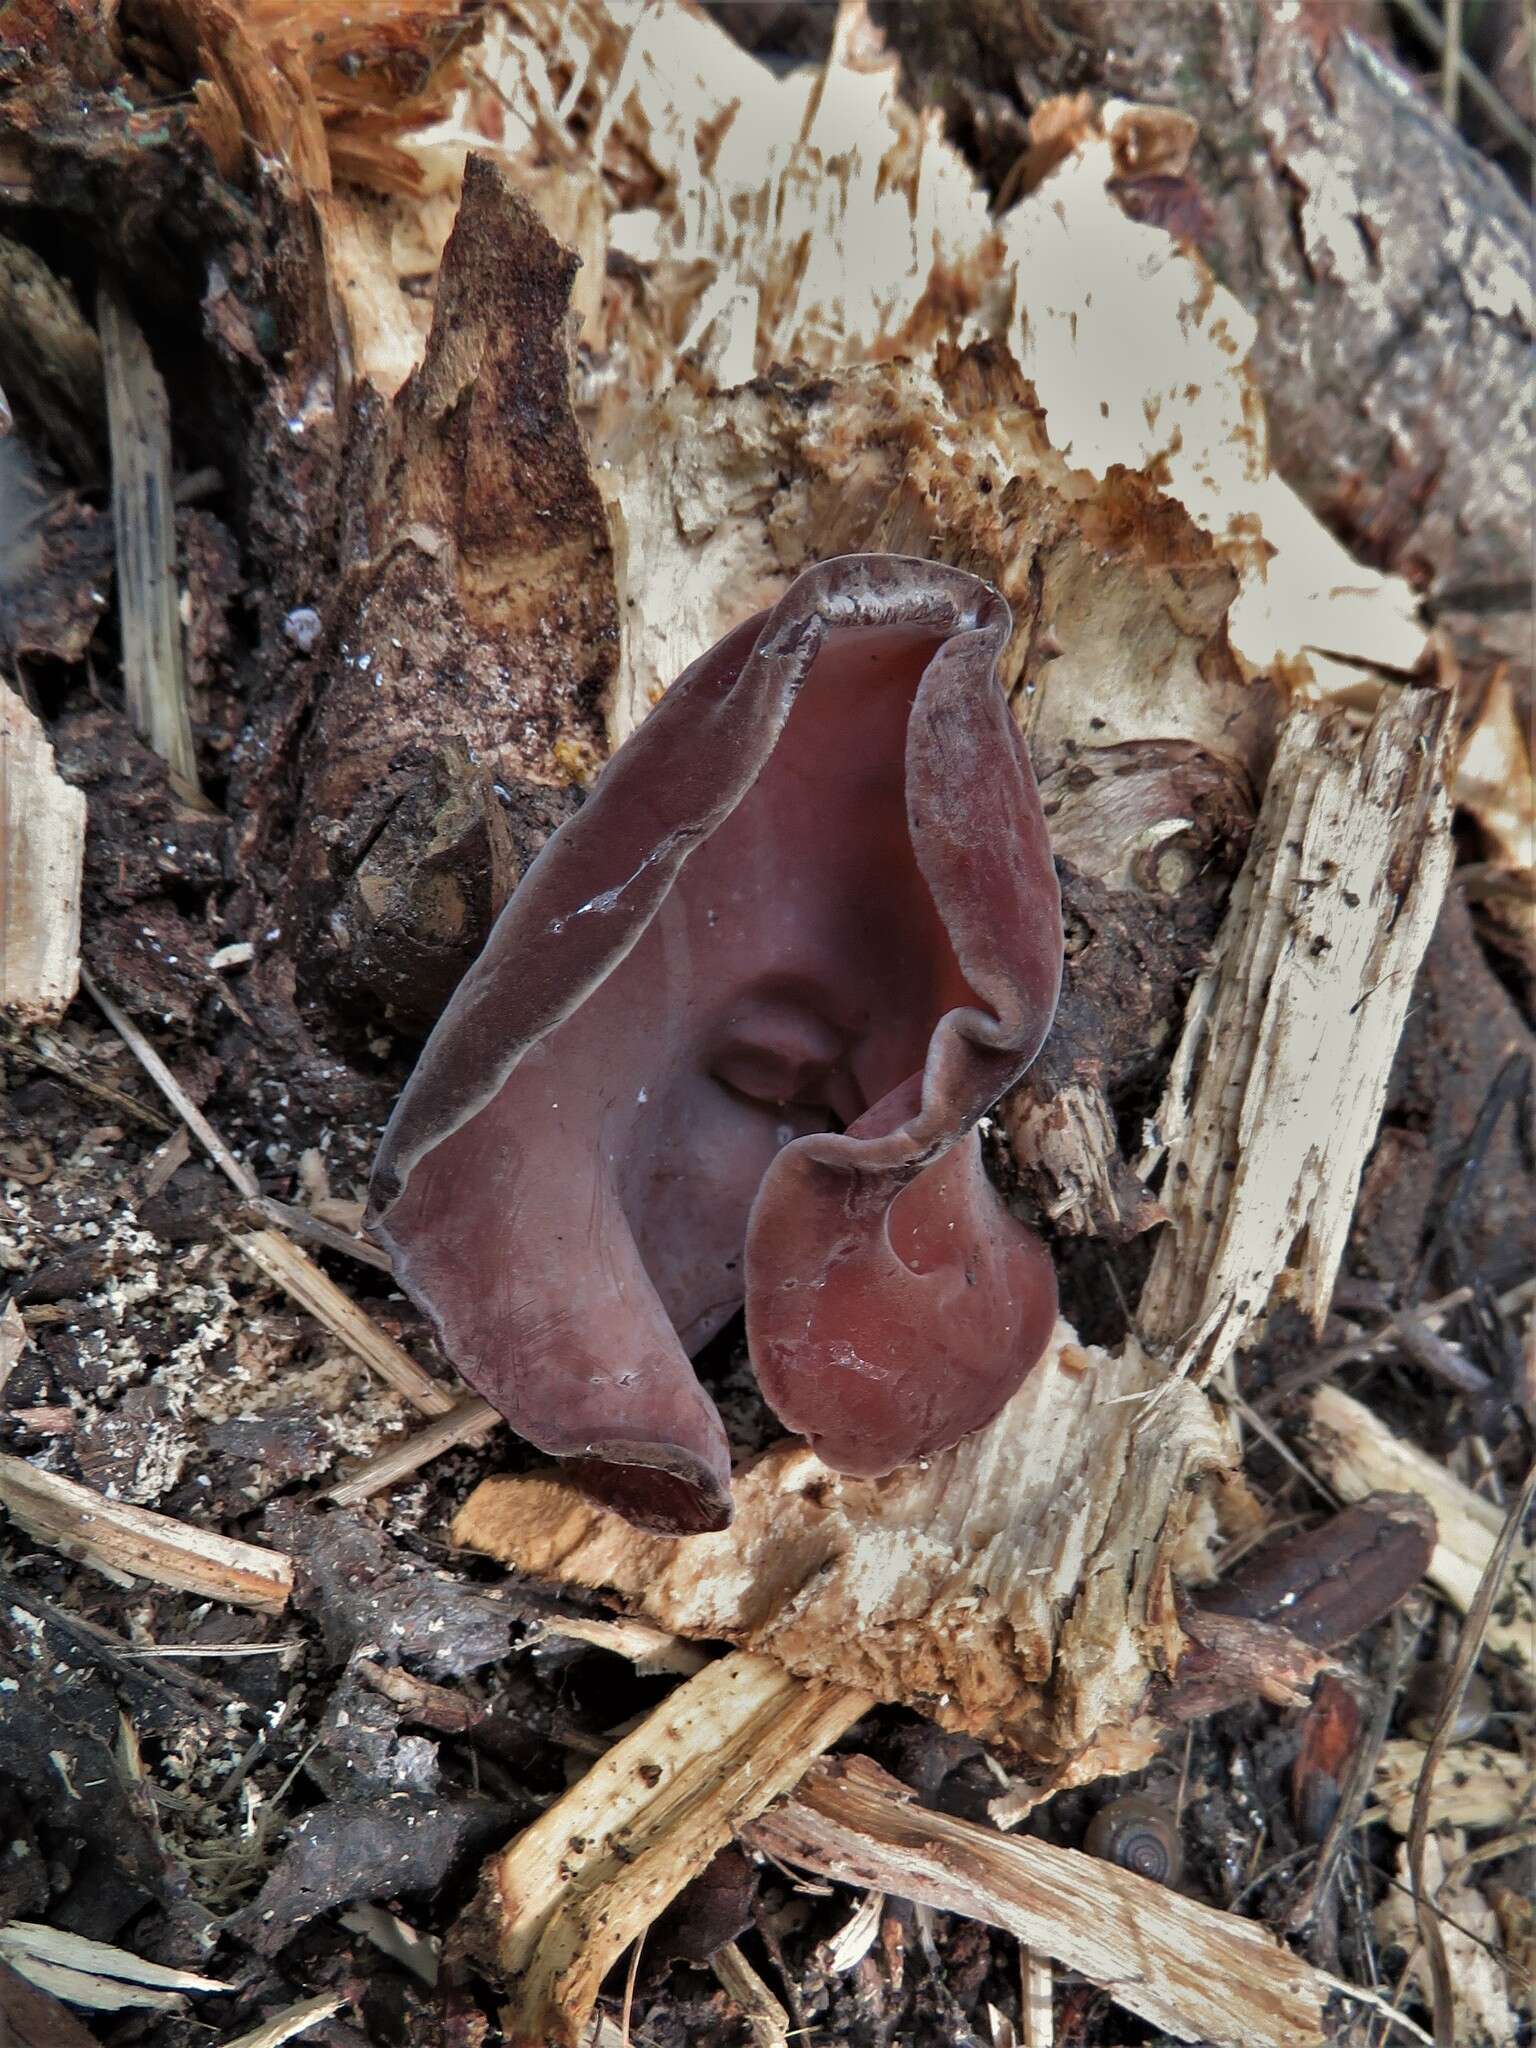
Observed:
{"x":1138,"y":1834}
{"x":1424,"y":1692}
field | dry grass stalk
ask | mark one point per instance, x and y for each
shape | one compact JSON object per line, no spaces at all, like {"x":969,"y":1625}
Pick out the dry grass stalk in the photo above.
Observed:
{"x":42,"y":845}
{"x":466,"y":1422}
{"x":1357,"y":1454}
{"x":234,"y":1171}
{"x":1277,"y":1086}
{"x":1197,"y":1973}
{"x":314,"y":1290}
{"x":1443,"y":1990}
{"x":561,"y":1903}
{"x":129,"y":1543}
{"x":144,"y":516}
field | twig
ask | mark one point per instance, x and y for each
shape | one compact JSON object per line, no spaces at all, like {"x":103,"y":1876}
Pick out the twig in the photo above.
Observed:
{"x":470,"y":1422}
{"x":316,"y":1291}
{"x":299,"y":1223}
{"x":39,"y":1055}
{"x":1379,"y":2004}
{"x":1431,"y":1317}
{"x":239,"y":1176}
{"x":283,"y":1262}
{"x":1473,"y":1631}
{"x":144,"y":519}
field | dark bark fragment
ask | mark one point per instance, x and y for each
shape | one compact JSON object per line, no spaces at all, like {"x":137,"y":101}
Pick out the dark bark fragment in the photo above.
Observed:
{"x":1330,"y":1583}
{"x":374,"y":1849}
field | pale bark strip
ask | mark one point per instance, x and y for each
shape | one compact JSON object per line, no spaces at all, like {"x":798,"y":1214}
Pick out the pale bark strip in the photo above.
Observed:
{"x":121,"y":1540}
{"x":1197,"y":1973}
{"x":144,"y":516}
{"x":42,"y":845}
{"x":1278,"y":1083}
{"x":563,"y":1901}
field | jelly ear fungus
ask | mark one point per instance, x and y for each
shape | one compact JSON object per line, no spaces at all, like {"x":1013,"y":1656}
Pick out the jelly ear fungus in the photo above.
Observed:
{"x":729,"y":1042}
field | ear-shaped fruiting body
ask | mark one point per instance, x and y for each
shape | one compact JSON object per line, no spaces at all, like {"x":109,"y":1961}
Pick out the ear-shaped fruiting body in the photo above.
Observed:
{"x":730,"y":1040}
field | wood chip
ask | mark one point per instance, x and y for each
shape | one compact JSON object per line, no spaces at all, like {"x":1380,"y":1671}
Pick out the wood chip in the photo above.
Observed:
{"x":1276,"y":1089}
{"x":42,"y":846}
{"x":647,"y":1647}
{"x":129,"y":1543}
{"x":1357,"y":1454}
{"x":563,"y":1901}
{"x":288,"y":2024}
{"x":144,"y":516}
{"x":1199,"y":1974}
{"x":96,"y":1974}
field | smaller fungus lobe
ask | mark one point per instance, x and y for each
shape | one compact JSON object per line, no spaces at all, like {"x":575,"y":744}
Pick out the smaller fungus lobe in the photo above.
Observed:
{"x":729,"y":1041}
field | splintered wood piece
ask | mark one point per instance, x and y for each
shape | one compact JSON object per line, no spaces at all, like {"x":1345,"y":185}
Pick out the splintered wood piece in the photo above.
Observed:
{"x":96,"y":1974}
{"x":1278,"y":1082}
{"x":767,"y":2021}
{"x":144,"y":517}
{"x":33,"y":2018}
{"x":562,"y":1901}
{"x":129,"y":1543}
{"x":42,"y":845}
{"x":316,"y":1291}
{"x":1018,"y":1587}
{"x":1197,"y":1973}
{"x":1357,"y":1454}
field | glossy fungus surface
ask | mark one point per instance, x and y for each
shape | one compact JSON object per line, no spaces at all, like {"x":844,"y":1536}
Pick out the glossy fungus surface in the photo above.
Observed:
{"x":729,"y":1041}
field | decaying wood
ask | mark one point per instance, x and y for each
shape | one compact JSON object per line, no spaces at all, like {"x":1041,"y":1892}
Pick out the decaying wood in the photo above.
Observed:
{"x":33,"y":2018}
{"x":129,"y":1543}
{"x":1357,"y":1454}
{"x":314,"y":1290}
{"x":479,"y":556}
{"x":144,"y":515}
{"x":1277,"y":1086}
{"x":1018,"y":1587}
{"x":562,"y":1902}
{"x":1199,"y":1974}
{"x":42,"y":846}
{"x":50,"y":358}
{"x":1355,"y":225}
